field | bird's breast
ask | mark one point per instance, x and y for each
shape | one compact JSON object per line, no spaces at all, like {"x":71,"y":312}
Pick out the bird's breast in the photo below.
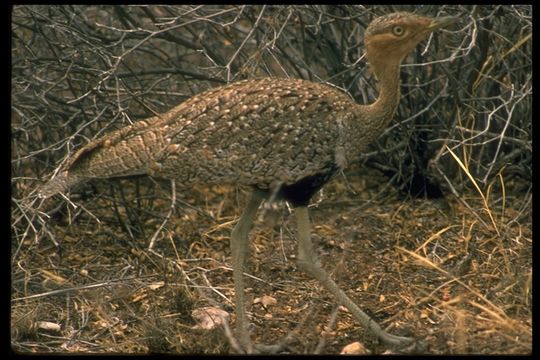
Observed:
{"x":300,"y":192}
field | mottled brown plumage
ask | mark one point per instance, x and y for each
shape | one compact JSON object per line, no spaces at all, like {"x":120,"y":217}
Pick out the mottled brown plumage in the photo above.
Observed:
{"x":264,"y":132}
{"x":283,"y":136}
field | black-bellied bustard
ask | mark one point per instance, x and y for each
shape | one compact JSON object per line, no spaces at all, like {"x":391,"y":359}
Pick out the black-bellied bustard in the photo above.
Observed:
{"x":283,"y":137}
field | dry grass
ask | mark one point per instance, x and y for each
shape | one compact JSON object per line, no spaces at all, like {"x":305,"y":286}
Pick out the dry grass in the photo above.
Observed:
{"x":462,"y":284}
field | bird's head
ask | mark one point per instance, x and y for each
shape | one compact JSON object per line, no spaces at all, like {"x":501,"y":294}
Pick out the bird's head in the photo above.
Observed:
{"x":390,"y":38}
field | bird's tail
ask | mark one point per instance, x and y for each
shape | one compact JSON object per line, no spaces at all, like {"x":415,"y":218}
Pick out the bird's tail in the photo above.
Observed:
{"x":61,"y":183}
{"x":122,"y":153}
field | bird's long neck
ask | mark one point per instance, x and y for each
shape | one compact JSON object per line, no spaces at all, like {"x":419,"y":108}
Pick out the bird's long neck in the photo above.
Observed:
{"x":383,"y":109}
{"x":371,"y":120}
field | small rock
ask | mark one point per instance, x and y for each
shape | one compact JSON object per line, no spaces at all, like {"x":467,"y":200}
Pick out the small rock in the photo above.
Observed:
{"x":209,"y":317}
{"x":355,"y":348}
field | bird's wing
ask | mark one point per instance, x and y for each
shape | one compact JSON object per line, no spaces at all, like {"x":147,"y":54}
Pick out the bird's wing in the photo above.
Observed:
{"x":265,"y":133}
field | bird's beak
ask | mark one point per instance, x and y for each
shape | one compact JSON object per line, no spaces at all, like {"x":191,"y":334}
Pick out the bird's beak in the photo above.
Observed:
{"x":442,"y":22}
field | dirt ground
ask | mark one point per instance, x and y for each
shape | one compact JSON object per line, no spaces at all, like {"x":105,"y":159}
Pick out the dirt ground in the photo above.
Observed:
{"x":460,"y":280}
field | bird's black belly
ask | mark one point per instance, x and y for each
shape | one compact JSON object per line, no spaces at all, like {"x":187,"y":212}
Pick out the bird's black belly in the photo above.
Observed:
{"x":299,"y":193}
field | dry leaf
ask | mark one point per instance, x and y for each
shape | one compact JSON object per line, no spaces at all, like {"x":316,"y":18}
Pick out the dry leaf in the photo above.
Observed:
{"x":156,"y":285}
{"x":209,"y":317}
{"x":139,"y":296}
{"x":354,"y":348}
{"x":54,"y":277}
{"x":47,"y":325}
{"x":265,"y":300}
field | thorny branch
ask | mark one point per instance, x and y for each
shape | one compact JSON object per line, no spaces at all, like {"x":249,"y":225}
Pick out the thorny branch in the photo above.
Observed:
{"x":79,"y":72}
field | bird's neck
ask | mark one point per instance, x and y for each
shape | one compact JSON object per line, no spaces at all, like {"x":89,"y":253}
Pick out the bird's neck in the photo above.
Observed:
{"x":371,"y":120}
{"x":383,"y":109}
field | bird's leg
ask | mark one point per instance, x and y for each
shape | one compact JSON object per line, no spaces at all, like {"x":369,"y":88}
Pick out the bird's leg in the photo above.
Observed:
{"x":239,"y":247}
{"x":309,"y":261}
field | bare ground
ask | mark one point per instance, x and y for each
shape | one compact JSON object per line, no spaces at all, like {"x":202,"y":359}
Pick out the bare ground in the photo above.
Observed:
{"x":458,"y":279}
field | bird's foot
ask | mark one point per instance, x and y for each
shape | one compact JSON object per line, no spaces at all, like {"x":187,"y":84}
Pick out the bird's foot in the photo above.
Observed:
{"x":403,"y":344}
{"x":269,"y":349}
{"x":247,"y":347}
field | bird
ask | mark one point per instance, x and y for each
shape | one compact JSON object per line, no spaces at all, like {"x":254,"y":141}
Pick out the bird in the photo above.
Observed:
{"x":283,"y":138}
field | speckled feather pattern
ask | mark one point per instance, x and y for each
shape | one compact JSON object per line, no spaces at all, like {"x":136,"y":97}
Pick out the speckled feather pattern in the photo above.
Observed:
{"x":265,"y":132}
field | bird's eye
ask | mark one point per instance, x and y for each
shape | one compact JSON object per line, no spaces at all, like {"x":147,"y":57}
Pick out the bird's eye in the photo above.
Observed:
{"x":398,"y":30}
